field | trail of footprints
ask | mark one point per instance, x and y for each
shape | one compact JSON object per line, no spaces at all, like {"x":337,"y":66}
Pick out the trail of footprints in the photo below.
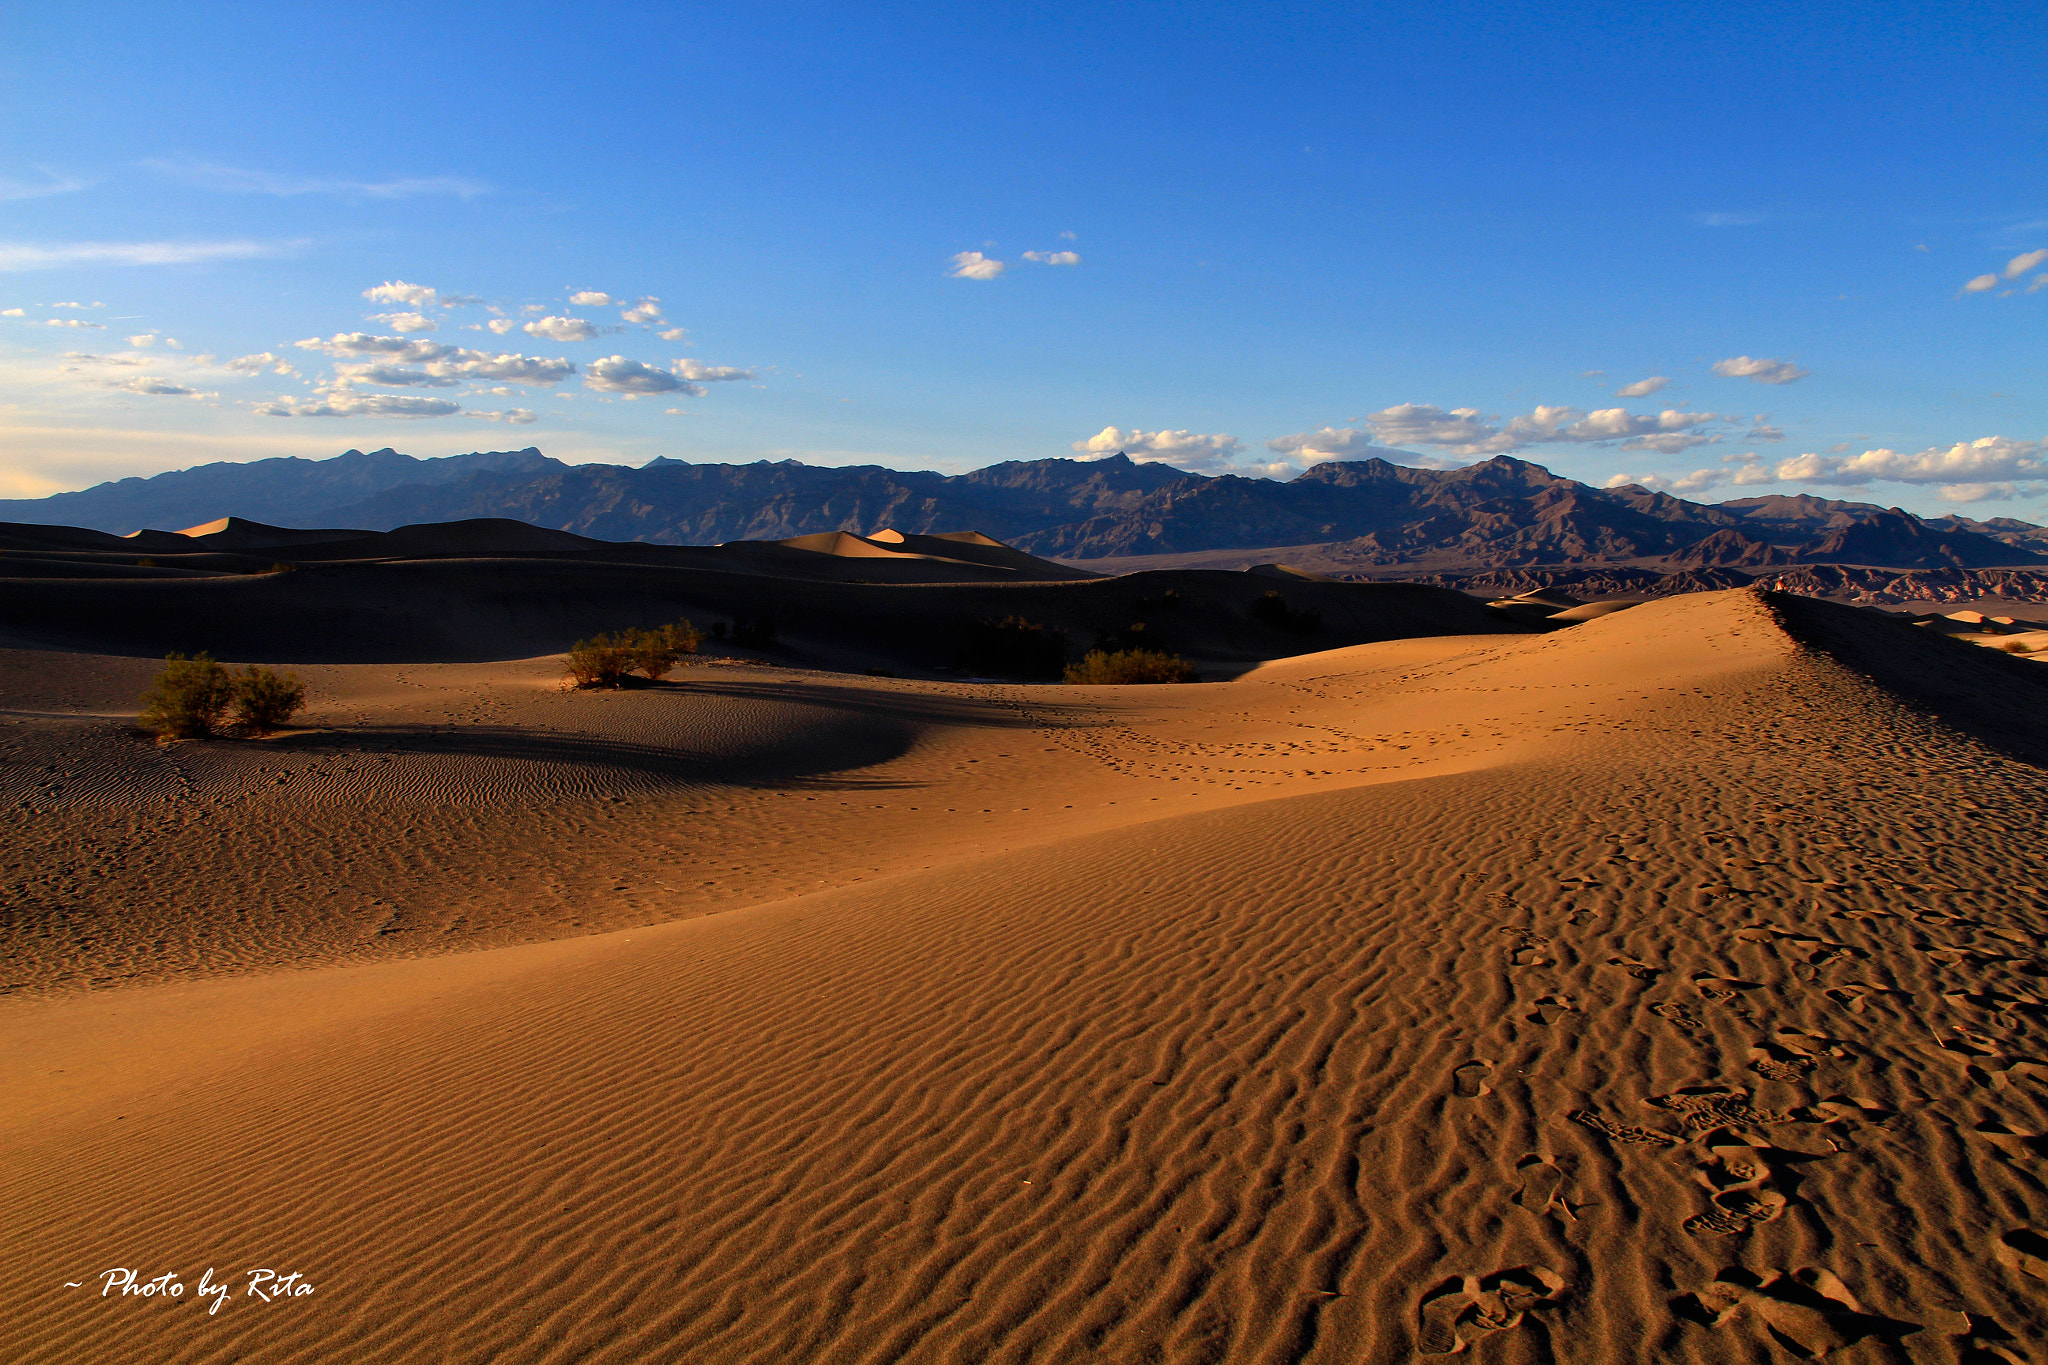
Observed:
{"x":1747,"y":1181}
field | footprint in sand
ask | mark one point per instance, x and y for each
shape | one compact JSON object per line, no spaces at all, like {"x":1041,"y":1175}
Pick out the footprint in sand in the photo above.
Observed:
{"x":1541,"y":1181}
{"x":1855,"y":995}
{"x":1468,"y":1082}
{"x":1738,"y":1177}
{"x":1622,"y":1132}
{"x":1551,"y":1008}
{"x":1681,"y":1018}
{"x":1809,"y":1311}
{"x":2025,"y":1251}
{"x":1464,"y":1308}
{"x":1641,"y":971}
{"x":1713,"y":987}
{"x":1701,"y":1107}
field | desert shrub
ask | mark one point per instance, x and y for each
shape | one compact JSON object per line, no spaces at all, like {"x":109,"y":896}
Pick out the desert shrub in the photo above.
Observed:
{"x":1131,"y":666}
{"x":657,"y":651}
{"x":1122,"y":641}
{"x":601,"y":661}
{"x":1012,"y":648}
{"x":266,"y":700}
{"x":189,"y":699}
{"x":145,"y":563}
{"x":1272,"y":609}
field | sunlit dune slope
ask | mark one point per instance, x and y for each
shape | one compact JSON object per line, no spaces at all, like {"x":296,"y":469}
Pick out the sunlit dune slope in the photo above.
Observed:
{"x":1655,"y":989}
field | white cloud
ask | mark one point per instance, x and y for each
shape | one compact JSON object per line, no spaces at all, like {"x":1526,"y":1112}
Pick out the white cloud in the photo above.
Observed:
{"x":1980,"y":284}
{"x":1642,"y":387}
{"x":972,"y":265}
{"x":256,"y":364}
{"x":145,"y":384}
{"x":1977,"y":492}
{"x":646,"y":309}
{"x":1053,"y":257}
{"x":1761,"y":370}
{"x":15,"y":256}
{"x":616,"y":374}
{"x":590,"y":298}
{"x":233,"y":180}
{"x":690,"y":369}
{"x":519,"y":369}
{"x":1307,"y":448}
{"x":363,"y":343}
{"x":398,"y":291}
{"x":561,"y":329}
{"x":502,"y":325}
{"x":517,"y":417}
{"x":391,"y":376}
{"x":1066,"y":236}
{"x":144,"y":341}
{"x":342,"y":402}
{"x":1764,"y":431}
{"x":1182,"y":449}
{"x":2020,"y":265}
{"x":71,"y":322}
{"x":673,"y":334}
{"x":1458,"y":431}
{"x":409,"y":322}
{"x":12,"y":312}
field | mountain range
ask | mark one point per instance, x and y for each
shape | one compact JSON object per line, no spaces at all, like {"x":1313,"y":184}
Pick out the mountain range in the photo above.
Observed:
{"x":1366,"y":516}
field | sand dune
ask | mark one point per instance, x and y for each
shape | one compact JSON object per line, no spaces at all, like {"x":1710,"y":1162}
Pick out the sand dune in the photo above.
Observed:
{"x":1657,"y":988}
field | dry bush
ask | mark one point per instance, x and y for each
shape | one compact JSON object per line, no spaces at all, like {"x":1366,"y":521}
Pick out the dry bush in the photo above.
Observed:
{"x":600,"y":661}
{"x":657,"y":651}
{"x":1131,"y":666}
{"x":189,"y":699}
{"x":266,"y":700}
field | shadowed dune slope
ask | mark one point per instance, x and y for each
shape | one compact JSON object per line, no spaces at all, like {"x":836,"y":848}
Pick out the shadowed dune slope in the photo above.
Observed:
{"x":1661,"y":988}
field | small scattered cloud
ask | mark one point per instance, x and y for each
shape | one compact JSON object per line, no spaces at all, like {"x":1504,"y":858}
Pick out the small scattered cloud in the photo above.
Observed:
{"x":1054,"y":257}
{"x":1735,"y":219}
{"x":391,"y":376}
{"x":502,"y":325}
{"x":1306,"y":448}
{"x":71,"y":322}
{"x":1977,"y":492}
{"x":1987,"y":460}
{"x":1980,"y":284}
{"x":1764,"y":432}
{"x":1757,"y":368}
{"x":398,"y":291}
{"x":160,"y":387}
{"x":972,"y":265}
{"x":561,"y":329}
{"x":235,"y":180}
{"x":1067,"y":236}
{"x":673,"y":333}
{"x":2020,"y":265}
{"x":344,"y":402}
{"x":517,"y":417}
{"x":409,"y":322}
{"x":365,"y":343}
{"x":690,"y":369}
{"x":617,"y":374}
{"x":257,"y":363}
{"x":19,"y":256}
{"x":1642,"y":387}
{"x":1183,"y":449}
{"x":143,"y":341}
{"x":590,"y":298}
{"x":13,"y":312}
{"x":644,"y":311}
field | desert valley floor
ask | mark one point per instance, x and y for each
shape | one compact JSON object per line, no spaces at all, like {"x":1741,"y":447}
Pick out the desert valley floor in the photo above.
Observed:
{"x":1667,"y":987}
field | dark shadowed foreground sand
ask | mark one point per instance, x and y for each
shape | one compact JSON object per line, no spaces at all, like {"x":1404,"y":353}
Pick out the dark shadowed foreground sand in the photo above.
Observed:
{"x":1664,"y":988}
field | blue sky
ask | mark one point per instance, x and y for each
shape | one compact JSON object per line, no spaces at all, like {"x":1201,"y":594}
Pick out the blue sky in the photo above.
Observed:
{"x":1726,"y":250}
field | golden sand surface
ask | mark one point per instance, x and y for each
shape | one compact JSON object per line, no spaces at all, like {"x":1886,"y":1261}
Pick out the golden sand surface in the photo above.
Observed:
{"x":1662,"y":988}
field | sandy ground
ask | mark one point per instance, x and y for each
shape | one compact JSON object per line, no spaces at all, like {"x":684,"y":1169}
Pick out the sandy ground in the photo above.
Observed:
{"x":1662,"y":988}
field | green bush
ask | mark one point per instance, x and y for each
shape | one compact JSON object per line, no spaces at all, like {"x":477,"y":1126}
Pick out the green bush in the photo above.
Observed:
{"x":1012,"y":648}
{"x":189,"y":699}
{"x":609,"y":660}
{"x":1131,"y":666}
{"x":266,"y":700}
{"x":192,"y":697}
